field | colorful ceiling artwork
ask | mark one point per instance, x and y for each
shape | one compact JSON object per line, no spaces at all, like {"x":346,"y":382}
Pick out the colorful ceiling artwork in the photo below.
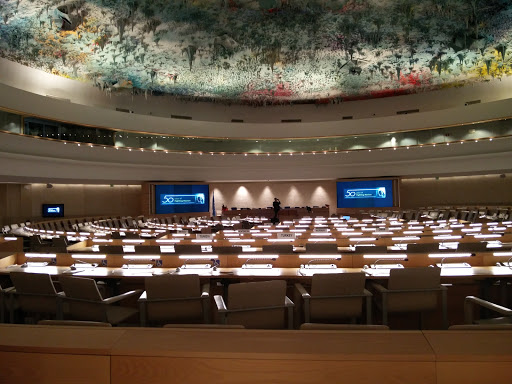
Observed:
{"x":262,"y":52}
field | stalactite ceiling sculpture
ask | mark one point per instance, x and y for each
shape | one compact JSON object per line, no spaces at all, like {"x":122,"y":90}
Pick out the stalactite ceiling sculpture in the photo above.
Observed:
{"x":262,"y":52}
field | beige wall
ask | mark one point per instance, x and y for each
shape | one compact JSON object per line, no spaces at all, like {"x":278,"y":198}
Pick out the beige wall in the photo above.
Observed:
{"x":457,"y":190}
{"x":19,"y":202}
{"x":261,"y":194}
{"x":13,"y":206}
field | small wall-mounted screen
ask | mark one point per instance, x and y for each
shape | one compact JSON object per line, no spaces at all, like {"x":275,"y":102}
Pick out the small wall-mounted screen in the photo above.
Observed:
{"x":181,"y":198}
{"x":365,"y":194}
{"x":53,"y":210}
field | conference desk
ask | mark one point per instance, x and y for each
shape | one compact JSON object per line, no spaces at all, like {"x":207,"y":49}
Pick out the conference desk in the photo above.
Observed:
{"x":448,"y":274}
{"x":61,"y":354}
{"x":489,"y":282}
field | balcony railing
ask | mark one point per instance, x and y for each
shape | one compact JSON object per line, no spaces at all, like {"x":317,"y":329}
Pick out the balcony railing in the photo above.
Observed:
{"x":73,"y":133}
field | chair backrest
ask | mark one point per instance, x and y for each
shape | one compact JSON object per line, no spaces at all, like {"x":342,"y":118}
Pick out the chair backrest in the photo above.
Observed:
{"x":277,"y":248}
{"x":473,"y":247}
{"x":227,"y":250}
{"x":321,"y":248}
{"x":80,"y":288}
{"x":422,"y":248}
{"x":131,"y":235}
{"x":414,"y":278}
{"x":33,"y":283}
{"x":187,"y":249}
{"x":336,"y":284}
{"x":91,"y":309}
{"x":36,"y":292}
{"x":147,"y":249}
{"x":361,"y":248}
{"x":111,"y":249}
{"x":370,"y":249}
{"x":425,"y":278}
{"x":173,"y":288}
{"x":60,"y":242}
{"x":257,"y":295}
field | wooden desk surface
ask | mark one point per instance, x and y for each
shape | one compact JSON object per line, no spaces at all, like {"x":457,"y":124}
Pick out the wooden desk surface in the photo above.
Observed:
{"x":476,"y":273}
{"x":463,"y":345}
{"x":50,"y":354}
{"x":471,"y":357}
{"x":271,"y":345}
{"x":471,"y":346}
{"x":58,"y":339}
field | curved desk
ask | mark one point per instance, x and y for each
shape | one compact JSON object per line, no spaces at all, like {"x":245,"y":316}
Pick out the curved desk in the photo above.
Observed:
{"x":62,"y":354}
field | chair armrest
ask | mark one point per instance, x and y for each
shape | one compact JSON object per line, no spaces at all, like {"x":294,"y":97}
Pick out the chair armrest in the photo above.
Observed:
{"x":487,"y":304}
{"x":143,"y":297}
{"x":367,"y":293}
{"x":288,"y":302}
{"x":379,"y":288}
{"x":219,"y":302}
{"x":205,"y":291}
{"x":122,"y":296}
{"x":9,"y":290}
{"x":302,"y":291}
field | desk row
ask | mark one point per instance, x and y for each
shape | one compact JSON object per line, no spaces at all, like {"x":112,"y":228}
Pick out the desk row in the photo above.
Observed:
{"x":250,"y":258}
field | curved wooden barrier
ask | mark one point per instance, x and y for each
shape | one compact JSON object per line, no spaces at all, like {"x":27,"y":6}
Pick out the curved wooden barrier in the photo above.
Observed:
{"x":59,"y":354}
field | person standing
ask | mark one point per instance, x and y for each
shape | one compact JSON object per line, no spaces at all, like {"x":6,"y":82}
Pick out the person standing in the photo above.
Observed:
{"x":277,"y":207}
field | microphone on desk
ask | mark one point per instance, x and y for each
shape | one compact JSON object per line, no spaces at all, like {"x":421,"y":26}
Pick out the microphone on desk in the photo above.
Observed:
{"x":77,"y":261}
{"x":244,"y":265}
{"x":302,"y":266}
{"x":397,"y":259}
{"x":442,"y":260}
{"x":213,"y":264}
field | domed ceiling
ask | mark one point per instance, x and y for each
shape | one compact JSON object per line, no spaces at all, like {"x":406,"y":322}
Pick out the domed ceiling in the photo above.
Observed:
{"x":262,"y":52}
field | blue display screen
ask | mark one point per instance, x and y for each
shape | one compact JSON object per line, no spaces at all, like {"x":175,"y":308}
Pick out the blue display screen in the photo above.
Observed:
{"x":365,"y":193}
{"x":181,"y":198}
{"x":53,"y":210}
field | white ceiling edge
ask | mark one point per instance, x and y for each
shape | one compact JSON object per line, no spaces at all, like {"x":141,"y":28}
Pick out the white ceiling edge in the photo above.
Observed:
{"x":28,"y":158}
{"x":45,"y":107}
{"x":36,"y":92}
